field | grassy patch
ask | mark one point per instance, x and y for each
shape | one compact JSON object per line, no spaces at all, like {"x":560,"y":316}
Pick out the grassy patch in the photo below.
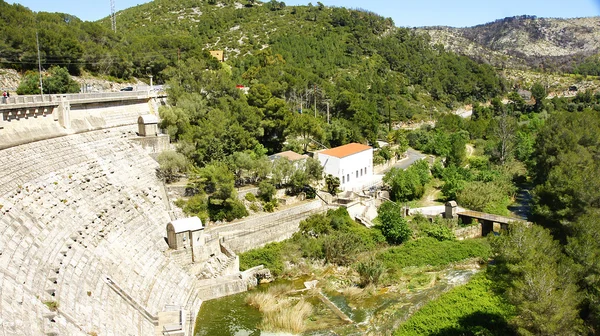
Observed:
{"x":472,"y":309}
{"x":429,"y":251}
{"x":52,"y":305}
{"x":280,"y":312}
{"x":269,"y":255}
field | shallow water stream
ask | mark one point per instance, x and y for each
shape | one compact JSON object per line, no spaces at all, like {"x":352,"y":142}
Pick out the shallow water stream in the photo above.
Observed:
{"x":378,"y":314}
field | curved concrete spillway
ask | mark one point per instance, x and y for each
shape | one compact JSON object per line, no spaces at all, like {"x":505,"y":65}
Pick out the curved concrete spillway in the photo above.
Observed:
{"x":82,"y":243}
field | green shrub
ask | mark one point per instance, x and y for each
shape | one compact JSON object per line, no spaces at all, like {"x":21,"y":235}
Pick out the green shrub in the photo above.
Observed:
{"x":269,"y":256}
{"x":270,"y":206}
{"x":370,"y":271}
{"x":340,"y":248}
{"x":254,"y":207}
{"x":311,"y":247}
{"x":479,"y":162}
{"x":52,"y":305}
{"x":196,"y":206}
{"x":266,"y":191}
{"x":320,"y":224}
{"x":472,"y":309}
{"x":250,"y":197}
{"x":171,"y":165}
{"x":335,"y":237}
{"x":439,"y":232}
{"x":228,"y":210}
{"x":179,"y":203}
{"x":429,"y":251}
{"x":393,"y":226}
{"x":437,"y":169}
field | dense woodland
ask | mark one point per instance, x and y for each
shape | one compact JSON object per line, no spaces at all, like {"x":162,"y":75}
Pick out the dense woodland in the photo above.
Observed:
{"x":300,"y":62}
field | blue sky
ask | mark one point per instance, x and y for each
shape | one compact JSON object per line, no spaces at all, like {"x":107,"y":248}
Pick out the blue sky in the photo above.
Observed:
{"x":406,"y":13}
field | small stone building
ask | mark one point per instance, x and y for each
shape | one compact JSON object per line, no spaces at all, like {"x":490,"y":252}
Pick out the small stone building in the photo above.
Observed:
{"x":148,"y":125}
{"x":451,"y":210}
{"x":184,"y":233}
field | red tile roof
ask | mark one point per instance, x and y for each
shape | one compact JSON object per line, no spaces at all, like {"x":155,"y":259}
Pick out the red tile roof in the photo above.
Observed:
{"x":346,"y":150}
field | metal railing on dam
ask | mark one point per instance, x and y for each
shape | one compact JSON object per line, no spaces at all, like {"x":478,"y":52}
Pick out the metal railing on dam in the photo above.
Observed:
{"x":55,"y":99}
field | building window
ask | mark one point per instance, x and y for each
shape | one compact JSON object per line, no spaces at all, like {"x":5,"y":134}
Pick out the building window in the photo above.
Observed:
{"x":343,"y":179}
{"x":348,"y":177}
{"x":357,"y":174}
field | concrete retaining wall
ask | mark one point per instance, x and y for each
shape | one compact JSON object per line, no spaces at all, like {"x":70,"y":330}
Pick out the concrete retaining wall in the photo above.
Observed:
{"x":216,"y":288}
{"x":257,"y":231}
{"x":468,"y":232}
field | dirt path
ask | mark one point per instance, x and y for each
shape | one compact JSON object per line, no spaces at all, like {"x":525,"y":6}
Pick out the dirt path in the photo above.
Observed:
{"x":470,"y":150}
{"x":430,"y":197}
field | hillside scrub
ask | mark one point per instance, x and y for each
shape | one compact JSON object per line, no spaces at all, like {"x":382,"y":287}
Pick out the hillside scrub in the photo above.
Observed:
{"x":471,"y":309}
{"x":334,"y":238}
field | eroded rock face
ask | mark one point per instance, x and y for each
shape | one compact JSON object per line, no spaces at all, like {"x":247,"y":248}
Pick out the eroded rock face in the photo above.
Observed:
{"x":257,"y":276}
{"x":264,"y":276}
{"x":9,"y":79}
{"x":523,"y":40}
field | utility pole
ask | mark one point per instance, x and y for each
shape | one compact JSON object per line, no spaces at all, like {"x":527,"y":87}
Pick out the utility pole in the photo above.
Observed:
{"x":315,"y":94}
{"x":389,"y":115}
{"x":113,"y":16}
{"x":37,"y":42}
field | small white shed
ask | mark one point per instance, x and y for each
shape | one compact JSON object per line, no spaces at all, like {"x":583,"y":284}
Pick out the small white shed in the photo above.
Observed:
{"x":185,"y":232}
{"x":148,"y":125}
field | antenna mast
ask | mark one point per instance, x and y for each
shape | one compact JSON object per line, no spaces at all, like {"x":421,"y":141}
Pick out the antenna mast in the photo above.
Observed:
{"x":37,"y":42}
{"x":113,"y":16}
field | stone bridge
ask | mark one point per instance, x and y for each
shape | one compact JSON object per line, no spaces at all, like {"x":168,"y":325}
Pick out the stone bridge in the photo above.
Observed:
{"x":24,"y":119}
{"x":489,"y":222}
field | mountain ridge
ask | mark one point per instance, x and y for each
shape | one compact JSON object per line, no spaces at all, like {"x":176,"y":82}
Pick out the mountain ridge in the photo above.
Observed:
{"x":524,"y":41}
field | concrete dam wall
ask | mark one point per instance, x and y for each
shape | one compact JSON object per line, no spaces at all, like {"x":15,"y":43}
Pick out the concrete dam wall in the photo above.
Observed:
{"x":82,"y":226}
{"x":31,"y":118}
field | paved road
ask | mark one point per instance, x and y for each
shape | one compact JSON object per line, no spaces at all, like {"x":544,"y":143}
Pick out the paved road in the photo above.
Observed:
{"x":522,"y":206}
{"x":413,"y":156}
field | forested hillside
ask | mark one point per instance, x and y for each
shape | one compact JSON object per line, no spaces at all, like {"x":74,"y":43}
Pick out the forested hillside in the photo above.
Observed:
{"x":313,"y":45}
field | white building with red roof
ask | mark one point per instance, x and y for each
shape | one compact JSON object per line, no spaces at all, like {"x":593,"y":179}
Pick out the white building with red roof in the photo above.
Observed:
{"x":351,"y":163}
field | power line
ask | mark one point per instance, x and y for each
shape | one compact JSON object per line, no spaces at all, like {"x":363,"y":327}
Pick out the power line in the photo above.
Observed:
{"x":89,"y":60}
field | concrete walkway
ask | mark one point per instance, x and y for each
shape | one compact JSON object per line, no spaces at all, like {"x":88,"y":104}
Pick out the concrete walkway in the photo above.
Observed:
{"x":413,"y":156}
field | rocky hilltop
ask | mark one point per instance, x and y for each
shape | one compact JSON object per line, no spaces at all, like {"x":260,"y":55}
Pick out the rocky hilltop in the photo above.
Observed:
{"x":524,"y":41}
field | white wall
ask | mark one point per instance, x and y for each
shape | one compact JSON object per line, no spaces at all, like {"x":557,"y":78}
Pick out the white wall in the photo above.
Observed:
{"x":331,"y":165}
{"x":346,"y":168}
{"x":351,"y":167}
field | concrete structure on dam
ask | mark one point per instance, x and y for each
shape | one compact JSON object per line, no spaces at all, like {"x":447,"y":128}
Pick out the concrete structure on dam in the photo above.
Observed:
{"x":83,"y":223}
{"x":24,"y":119}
